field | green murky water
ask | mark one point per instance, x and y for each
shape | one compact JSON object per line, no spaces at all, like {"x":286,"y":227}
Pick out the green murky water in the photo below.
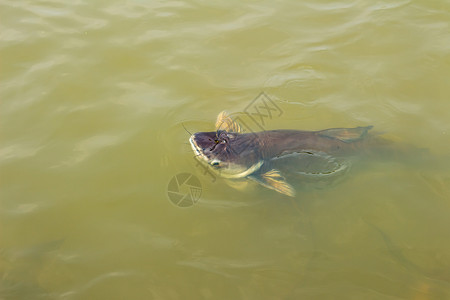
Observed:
{"x":93,"y":95}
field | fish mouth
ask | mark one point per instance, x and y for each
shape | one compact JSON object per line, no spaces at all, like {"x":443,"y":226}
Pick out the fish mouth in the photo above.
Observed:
{"x":197,"y":150}
{"x":230,"y":170}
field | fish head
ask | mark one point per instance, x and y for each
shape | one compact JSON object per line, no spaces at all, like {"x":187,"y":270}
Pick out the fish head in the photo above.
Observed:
{"x":225,"y":152}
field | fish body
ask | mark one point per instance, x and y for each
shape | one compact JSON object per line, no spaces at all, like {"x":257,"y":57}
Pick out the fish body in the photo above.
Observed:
{"x":253,"y":155}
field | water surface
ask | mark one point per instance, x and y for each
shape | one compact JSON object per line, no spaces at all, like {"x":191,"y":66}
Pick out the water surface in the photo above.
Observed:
{"x":93,"y":98}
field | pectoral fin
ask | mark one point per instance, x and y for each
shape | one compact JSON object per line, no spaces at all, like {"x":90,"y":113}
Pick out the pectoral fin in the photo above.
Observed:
{"x":275,"y":181}
{"x":225,"y":122}
{"x":346,"y":135}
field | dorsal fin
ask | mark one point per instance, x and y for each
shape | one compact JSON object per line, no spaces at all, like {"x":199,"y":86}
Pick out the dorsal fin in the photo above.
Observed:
{"x":346,"y":135}
{"x":225,"y":122}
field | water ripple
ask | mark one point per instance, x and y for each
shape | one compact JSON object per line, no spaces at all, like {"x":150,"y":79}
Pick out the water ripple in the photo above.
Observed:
{"x":99,"y":280}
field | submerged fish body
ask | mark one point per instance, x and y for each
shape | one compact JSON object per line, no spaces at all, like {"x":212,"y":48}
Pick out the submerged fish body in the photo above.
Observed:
{"x":254,"y":155}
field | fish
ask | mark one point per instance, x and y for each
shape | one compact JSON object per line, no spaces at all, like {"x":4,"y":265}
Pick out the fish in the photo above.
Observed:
{"x":235,"y":154}
{"x":21,"y":270}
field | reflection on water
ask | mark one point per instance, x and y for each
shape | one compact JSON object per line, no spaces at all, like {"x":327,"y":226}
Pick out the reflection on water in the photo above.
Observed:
{"x":94,"y":96}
